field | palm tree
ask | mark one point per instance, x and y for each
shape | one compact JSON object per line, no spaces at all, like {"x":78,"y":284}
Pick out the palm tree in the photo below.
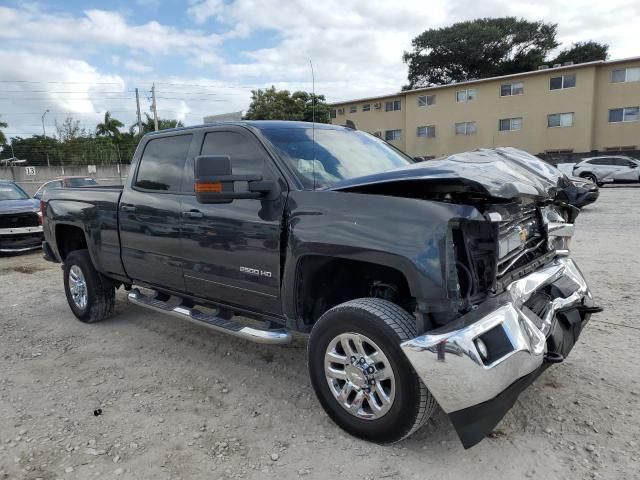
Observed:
{"x":110,"y":127}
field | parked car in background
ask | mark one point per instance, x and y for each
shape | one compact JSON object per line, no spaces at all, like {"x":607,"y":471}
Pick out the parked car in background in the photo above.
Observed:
{"x":20,"y":220}
{"x":586,"y":191}
{"x":609,"y":169}
{"x":64,"y":182}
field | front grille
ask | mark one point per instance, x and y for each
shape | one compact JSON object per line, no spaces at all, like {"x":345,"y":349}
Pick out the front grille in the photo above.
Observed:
{"x":520,"y":241}
{"x":19,"y":220}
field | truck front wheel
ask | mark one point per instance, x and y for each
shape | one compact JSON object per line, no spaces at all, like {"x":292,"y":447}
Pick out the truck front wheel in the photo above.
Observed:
{"x":360,"y":375}
{"x":90,"y":295}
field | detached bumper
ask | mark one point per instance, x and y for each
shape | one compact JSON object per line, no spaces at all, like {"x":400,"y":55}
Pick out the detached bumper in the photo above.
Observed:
{"x":537,"y":318}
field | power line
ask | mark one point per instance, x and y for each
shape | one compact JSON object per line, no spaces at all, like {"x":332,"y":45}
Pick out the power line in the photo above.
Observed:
{"x":61,"y":82}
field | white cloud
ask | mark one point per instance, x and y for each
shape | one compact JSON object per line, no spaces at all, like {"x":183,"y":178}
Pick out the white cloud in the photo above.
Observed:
{"x":100,"y":28}
{"x":356,"y":48}
{"x":137,"y":66}
{"x":202,"y":11}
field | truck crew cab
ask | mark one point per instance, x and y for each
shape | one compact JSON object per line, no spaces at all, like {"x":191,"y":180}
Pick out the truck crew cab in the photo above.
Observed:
{"x":448,"y":281}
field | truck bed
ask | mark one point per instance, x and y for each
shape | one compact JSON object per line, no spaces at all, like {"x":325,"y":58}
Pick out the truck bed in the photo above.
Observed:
{"x":94,"y":209}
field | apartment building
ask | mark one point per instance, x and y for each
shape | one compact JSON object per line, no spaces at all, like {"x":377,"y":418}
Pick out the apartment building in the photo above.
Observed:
{"x":579,"y":108}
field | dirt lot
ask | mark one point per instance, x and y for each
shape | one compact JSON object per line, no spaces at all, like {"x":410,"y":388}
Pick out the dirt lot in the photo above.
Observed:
{"x":179,"y":401}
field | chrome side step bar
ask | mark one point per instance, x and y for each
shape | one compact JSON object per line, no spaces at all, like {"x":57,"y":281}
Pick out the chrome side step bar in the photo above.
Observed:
{"x":278,"y":336}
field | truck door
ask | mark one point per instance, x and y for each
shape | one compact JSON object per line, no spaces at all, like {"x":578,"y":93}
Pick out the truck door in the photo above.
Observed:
{"x":149,"y":214}
{"x":232,"y":250}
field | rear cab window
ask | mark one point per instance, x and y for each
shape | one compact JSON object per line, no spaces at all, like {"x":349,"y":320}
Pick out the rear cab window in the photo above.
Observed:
{"x":162,"y":163}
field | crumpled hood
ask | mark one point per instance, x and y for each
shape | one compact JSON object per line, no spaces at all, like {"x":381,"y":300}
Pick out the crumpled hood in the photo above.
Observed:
{"x":18,"y":206}
{"x":501,"y":172}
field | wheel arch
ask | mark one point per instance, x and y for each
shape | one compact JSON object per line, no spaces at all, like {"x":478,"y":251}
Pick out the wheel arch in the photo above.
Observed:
{"x":322,"y":282}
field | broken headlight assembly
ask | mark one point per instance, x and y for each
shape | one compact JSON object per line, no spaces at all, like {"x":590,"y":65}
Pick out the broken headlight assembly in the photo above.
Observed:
{"x":559,"y":230}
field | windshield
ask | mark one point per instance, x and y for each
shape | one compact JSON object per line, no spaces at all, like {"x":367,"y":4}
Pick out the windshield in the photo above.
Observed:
{"x":336,"y":155}
{"x":9,"y":191}
{"x":80,"y":182}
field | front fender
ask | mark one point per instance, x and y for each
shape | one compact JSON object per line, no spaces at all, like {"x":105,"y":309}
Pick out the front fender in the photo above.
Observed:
{"x":406,"y":234}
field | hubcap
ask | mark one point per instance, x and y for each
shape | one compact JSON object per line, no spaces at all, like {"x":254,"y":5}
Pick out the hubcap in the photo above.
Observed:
{"x":78,"y":287}
{"x":359,"y":376}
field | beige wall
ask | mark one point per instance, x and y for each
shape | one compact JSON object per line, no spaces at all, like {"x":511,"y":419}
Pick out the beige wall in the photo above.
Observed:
{"x":589,"y":100}
{"x":615,"y":95}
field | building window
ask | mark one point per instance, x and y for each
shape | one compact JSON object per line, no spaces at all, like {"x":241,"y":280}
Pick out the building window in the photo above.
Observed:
{"x":392,"y":106}
{"x":424,"y":100}
{"x":466,"y":95}
{"x":627,"y":114}
{"x":625,"y":75}
{"x":366,"y":107}
{"x":509,"y":89}
{"x":560,"y":120}
{"x":510,"y":124}
{"x":465,"y":128}
{"x":561,"y":151}
{"x":563,"y":81}
{"x":332,"y":113}
{"x":621,"y":149}
{"x":353,"y":109}
{"x":426,"y":131}
{"x":390,"y":135}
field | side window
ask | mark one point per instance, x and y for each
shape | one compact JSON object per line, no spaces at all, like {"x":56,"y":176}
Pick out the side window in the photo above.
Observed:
{"x":162,"y":163}
{"x":246,"y":158}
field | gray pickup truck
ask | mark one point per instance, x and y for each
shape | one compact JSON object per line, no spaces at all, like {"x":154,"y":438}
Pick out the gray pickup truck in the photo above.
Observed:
{"x":447,"y":281}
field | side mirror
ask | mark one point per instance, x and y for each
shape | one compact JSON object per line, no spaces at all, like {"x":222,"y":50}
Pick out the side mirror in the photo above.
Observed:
{"x":215,"y":183}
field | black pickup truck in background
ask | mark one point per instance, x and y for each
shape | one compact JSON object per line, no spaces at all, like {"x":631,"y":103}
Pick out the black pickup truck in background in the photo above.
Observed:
{"x":448,"y":281}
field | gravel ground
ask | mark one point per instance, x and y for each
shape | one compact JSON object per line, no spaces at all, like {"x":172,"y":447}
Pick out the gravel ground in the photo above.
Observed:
{"x":179,"y":401}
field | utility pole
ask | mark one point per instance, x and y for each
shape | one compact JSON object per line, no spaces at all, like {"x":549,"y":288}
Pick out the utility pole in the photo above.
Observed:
{"x":44,"y":135}
{"x":154,"y":106}
{"x":138,"y":110}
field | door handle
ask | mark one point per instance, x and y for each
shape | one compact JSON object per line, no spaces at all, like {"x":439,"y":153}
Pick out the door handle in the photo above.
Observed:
{"x":193,"y":214}
{"x":127,"y":208}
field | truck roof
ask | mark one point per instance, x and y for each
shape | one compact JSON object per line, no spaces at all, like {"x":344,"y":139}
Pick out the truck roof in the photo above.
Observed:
{"x":259,"y":124}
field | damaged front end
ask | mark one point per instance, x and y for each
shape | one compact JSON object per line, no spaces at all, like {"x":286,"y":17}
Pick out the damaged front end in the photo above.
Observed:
{"x":523,"y":301}
{"x":518,"y":302}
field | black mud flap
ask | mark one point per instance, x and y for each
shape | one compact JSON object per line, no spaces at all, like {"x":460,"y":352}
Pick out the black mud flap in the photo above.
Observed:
{"x":474,"y":423}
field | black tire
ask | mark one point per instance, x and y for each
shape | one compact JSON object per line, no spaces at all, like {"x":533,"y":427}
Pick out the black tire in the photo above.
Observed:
{"x":387,"y":325}
{"x":101,"y":294}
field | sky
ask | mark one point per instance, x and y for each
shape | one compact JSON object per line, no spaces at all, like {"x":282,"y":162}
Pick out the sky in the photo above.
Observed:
{"x":80,"y":59}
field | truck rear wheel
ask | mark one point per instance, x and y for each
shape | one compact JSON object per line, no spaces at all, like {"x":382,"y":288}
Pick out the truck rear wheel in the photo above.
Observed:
{"x":90,"y":295}
{"x":360,"y":375}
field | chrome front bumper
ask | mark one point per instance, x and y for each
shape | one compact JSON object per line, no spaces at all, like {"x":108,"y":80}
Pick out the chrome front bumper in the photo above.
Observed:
{"x":449,"y":362}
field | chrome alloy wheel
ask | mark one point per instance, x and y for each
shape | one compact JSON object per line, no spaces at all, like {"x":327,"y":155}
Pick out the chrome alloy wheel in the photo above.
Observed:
{"x":360,"y":376}
{"x":78,"y":287}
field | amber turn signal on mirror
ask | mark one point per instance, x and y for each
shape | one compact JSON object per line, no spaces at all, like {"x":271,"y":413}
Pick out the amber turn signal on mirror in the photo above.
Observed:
{"x":213,"y":187}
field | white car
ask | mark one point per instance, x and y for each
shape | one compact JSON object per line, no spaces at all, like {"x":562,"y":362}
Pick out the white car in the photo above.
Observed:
{"x":609,"y":169}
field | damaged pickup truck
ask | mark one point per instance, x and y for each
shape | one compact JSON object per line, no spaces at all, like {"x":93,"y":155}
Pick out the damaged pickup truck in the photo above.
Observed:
{"x":448,"y":281}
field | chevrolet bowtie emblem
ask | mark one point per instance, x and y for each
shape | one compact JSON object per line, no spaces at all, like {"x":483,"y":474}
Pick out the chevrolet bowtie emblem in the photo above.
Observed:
{"x":523,"y":236}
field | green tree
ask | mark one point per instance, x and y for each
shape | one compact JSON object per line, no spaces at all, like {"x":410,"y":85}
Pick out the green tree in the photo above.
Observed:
{"x":70,"y":129}
{"x":272,"y":104}
{"x":163,"y":124}
{"x":582,"y":52}
{"x":3,"y":139}
{"x":479,"y":48}
{"x":110,"y":127}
